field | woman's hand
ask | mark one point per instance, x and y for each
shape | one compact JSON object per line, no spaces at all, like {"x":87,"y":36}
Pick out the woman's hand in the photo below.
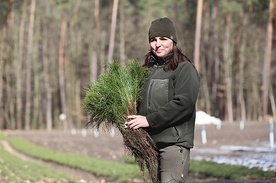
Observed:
{"x":136,"y":121}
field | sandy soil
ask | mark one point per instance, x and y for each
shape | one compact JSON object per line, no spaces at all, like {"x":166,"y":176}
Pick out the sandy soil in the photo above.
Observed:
{"x":109,"y":146}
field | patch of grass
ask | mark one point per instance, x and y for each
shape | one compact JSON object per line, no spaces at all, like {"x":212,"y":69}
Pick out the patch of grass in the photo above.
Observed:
{"x":223,"y":171}
{"x":125,"y":172}
{"x":129,"y":160}
{"x":114,"y":170}
{"x":15,"y":169}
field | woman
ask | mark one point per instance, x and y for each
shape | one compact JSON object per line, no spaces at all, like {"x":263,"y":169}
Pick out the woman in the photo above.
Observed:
{"x":168,"y":105}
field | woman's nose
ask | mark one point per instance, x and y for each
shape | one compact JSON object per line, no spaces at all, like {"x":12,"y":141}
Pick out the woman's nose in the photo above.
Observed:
{"x":158,"y":43}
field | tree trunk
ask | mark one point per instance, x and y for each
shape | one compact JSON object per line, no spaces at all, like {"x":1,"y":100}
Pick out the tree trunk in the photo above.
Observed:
{"x":78,"y":103}
{"x":3,"y":57}
{"x":256,"y":97}
{"x":272,"y":101}
{"x":1,"y":83}
{"x":47,"y":85}
{"x":19,"y":87}
{"x":95,"y":44}
{"x":267,"y":59}
{"x":215,"y":93}
{"x":197,"y":34}
{"x":36,"y":96}
{"x":10,"y":94}
{"x":122,"y":32}
{"x":241,"y":101}
{"x":29,"y":67}
{"x":227,"y":69}
{"x":113,"y":30}
{"x":62,"y":59}
{"x":75,"y":12}
{"x":8,"y":20}
{"x":46,"y":63}
{"x":9,"y":101}
{"x":102,"y":57}
{"x":206,"y":61}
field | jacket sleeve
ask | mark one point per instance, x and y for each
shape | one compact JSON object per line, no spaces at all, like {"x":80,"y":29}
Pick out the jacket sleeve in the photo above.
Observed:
{"x":183,"y":103}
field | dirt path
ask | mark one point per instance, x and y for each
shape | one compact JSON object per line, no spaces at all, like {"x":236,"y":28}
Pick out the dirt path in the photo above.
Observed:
{"x":79,"y":175}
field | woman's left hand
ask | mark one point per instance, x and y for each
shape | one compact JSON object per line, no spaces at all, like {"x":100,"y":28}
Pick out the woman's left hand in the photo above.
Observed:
{"x":136,"y":121}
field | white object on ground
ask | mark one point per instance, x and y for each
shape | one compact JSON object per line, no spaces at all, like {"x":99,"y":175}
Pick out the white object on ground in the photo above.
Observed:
{"x":202,"y":118}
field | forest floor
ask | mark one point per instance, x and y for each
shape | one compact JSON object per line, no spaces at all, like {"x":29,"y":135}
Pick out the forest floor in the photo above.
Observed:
{"x":229,"y":145}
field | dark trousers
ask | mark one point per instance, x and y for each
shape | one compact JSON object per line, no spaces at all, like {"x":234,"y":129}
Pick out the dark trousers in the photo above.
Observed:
{"x":174,"y":164}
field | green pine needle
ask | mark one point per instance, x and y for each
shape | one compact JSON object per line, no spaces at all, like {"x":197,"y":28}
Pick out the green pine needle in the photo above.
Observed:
{"x":114,"y":95}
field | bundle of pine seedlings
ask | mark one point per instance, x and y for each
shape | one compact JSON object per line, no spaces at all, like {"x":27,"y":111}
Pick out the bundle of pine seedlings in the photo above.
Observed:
{"x":111,"y":98}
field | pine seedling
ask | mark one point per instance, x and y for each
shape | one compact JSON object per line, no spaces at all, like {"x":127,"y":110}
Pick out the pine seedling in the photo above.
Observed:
{"x":111,"y":98}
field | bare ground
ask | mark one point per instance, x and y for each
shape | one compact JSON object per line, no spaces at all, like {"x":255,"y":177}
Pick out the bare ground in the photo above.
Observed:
{"x":110,"y":146}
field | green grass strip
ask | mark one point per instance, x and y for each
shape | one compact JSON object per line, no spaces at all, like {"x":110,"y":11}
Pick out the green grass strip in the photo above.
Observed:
{"x":125,"y":172}
{"x":15,"y":169}
{"x":114,"y":170}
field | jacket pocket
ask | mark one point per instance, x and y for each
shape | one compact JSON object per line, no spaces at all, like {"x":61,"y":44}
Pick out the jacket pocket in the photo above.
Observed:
{"x":157,"y":93}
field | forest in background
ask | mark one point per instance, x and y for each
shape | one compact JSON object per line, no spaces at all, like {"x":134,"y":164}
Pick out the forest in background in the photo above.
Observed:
{"x":51,"y":50}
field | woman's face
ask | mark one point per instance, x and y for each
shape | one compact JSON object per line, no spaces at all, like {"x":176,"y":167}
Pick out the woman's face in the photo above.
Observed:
{"x":161,"y":46}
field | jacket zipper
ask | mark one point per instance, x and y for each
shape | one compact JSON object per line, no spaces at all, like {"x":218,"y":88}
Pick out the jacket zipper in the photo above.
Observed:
{"x":150,"y":88}
{"x":149,"y":94}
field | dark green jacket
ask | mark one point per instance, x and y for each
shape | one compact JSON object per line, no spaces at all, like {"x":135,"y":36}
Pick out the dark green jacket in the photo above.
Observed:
{"x":169,"y":104}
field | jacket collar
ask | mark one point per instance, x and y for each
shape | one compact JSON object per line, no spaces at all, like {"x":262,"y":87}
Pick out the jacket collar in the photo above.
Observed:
{"x":160,"y":61}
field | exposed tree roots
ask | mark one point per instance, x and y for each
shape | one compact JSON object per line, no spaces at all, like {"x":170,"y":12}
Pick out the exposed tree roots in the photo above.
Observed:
{"x":143,"y":149}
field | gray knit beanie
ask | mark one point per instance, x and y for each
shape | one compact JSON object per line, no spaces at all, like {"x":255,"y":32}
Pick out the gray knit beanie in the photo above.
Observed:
{"x":162,"y":27}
